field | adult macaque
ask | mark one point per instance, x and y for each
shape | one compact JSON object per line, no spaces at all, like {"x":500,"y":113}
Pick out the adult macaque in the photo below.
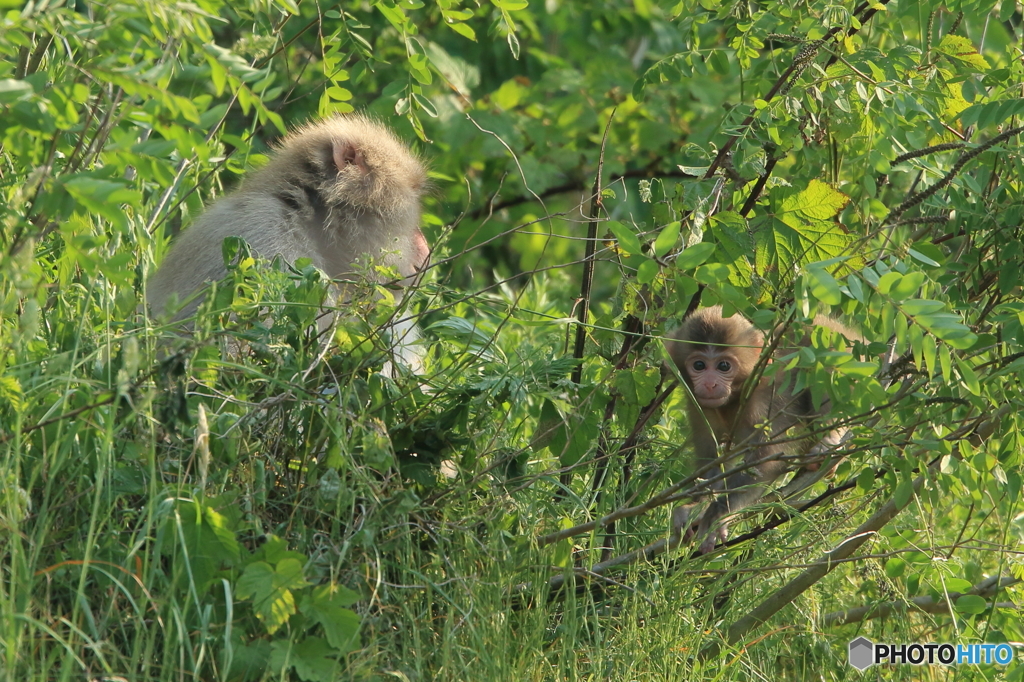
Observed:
{"x":337,"y":191}
{"x":715,"y":356}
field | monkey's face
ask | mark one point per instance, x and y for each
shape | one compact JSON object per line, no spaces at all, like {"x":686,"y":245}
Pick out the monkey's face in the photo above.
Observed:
{"x":712,"y":374}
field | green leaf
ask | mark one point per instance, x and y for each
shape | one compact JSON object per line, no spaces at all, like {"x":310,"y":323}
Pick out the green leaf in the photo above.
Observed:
{"x":930,"y":352}
{"x":561,"y":552}
{"x":459,"y":73}
{"x":692,"y":256}
{"x":270,"y":588}
{"x":866,"y":479}
{"x":961,"y":49}
{"x":857,"y":369}
{"x":103,"y":197}
{"x":887,"y":281}
{"x":569,"y":436}
{"x":819,"y":202}
{"x":637,"y":386}
{"x":712,"y":273}
{"x":667,"y":239}
{"x":802,"y":229}
{"x":907,"y":286}
{"x":992,"y":113}
{"x":312,"y":658}
{"x":628,"y":241}
{"x":969,"y":377}
{"x":288,"y":6}
{"x":904,"y":491}
{"x":12,"y":90}
{"x":823,"y":285}
{"x":326,"y":605}
{"x":958,"y":585}
{"x":463,"y":30}
{"x":647,"y":271}
{"x":425,"y":104}
{"x":549,"y":425}
{"x":948,"y":328}
{"x":917,"y":255}
{"x":921,"y":306}
{"x":895,"y":567}
{"x":971,"y":604}
{"x":394,"y":15}
{"x":339,"y":94}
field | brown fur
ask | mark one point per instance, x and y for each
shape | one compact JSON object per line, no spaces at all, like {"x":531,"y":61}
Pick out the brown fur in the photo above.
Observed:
{"x":720,"y":418}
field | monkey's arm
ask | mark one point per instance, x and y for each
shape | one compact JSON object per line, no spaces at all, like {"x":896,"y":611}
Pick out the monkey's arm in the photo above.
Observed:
{"x":742,"y":490}
{"x":763,"y":465}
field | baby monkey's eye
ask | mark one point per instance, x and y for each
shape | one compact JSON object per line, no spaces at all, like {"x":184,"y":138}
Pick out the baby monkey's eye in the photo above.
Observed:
{"x":724,"y":366}
{"x":699,"y":365}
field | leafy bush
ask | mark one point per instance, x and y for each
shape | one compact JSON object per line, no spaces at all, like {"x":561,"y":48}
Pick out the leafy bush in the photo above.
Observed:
{"x":260,"y":500}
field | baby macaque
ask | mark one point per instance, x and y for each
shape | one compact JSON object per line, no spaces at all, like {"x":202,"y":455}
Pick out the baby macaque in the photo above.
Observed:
{"x":337,"y":191}
{"x":715,"y":356}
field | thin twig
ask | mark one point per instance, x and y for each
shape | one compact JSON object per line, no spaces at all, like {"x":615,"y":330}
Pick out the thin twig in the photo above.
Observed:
{"x":583,"y":307}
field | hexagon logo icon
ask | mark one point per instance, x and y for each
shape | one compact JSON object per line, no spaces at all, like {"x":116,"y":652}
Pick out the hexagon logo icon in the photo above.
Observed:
{"x":861,"y":653}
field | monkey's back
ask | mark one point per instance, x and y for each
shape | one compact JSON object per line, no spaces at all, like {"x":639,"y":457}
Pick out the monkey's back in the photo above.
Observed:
{"x":333,"y":191}
{"x":196,"y":257}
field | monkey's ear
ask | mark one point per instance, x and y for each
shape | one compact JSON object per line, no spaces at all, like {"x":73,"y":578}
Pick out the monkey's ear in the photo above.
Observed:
{"x":347,"y":154}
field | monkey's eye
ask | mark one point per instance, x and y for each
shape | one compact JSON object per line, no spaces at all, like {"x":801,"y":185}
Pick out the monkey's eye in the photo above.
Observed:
{"x":699,"y":365}
{"x":724,"y":366}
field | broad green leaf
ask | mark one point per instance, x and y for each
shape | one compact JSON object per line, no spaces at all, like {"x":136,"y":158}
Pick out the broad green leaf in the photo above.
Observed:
{"x":463,"y":30}
{"x":948,"y":328}
{"x":887,"y":281}
{"x":866,"y":479}
{"x":667,"y":239}
{"x":819,"y":202}
{"x":823,"y":285}
{"x":12,"y":90}
{"x":957,"y":585}
{"x":907,"y":286}
{"x":853,"y":284}
{"x":637,"y":386}
{"x":946,"y":363}
{"x":971,"y":604}
{"x":103,"y":197}
{"x":647,"y":271}
{"x":916,"y":341}
{"x":895,"y":567}
{"x":802,"y":229}
{"x":901,"y":325}
{"x":394,"y":15}
{"x":327,"y":606}
{"x":562,"y":550}
{"x":462,"y":75}
{"x":550,"y":426}
{"x":961,"y":49}
{"x":288,"y":6}
{"x":857,"y":369}
{"x":712,"y":273}
{"x":992,"y":113}
{"x":628,"y":241}
{"x":917,"y":255}
{"x":921,"y":306}
{"x":270,"y":588}
{"x":692,"y":256}
{"x":313,"y":658}
{"x":904,"y":491}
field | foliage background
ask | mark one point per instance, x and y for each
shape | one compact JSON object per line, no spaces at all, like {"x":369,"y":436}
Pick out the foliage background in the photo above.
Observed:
{"x":171,"y":511}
